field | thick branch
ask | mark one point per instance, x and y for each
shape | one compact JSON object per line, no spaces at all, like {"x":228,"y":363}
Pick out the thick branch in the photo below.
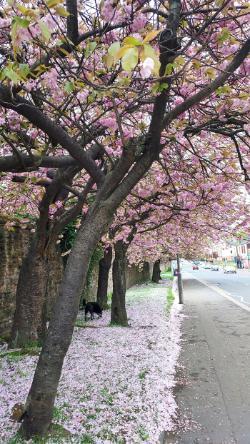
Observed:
{"x":72,"y":21}
{"x":26,"y":163}
{"x":55,"y":132}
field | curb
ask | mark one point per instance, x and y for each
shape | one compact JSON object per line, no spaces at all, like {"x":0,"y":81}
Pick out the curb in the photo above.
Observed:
{"x":223,"y":293}
{"x":175,"y":288}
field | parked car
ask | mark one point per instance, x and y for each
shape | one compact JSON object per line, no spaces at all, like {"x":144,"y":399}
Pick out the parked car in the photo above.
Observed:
{"x":230,"y":269}
{"x":215,"y":267}
{"x":207,"y":266}
{"x":195,"y":267}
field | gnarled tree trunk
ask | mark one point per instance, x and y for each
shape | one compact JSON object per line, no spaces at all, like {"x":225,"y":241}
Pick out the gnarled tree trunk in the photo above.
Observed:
{"x":28,"y":325}
{"x":103,"y":278}
{"x":118,"y":306}
{"x":156,"y":276}
{"x":40,"y":401}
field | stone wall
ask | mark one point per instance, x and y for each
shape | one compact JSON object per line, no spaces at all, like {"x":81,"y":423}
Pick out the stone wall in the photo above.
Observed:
{"x":138,"y":275}
{"x":13,"y":247}
{"x":134,"y":275}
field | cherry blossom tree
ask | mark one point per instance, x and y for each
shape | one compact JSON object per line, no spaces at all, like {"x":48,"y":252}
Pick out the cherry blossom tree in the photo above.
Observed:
{"x":192,"y":206}
{"x":132,"y":82}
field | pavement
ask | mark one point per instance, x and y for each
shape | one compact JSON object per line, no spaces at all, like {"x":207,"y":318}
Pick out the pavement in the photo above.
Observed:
{"x":213,"y":393}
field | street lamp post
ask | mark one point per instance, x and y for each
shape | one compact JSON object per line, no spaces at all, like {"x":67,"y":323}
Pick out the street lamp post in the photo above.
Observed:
{"x":179,"y":280}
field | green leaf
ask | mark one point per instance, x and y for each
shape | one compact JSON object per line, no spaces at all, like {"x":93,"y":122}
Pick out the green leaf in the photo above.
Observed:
{"x":45,"y":30}
{"x":11,"y":74}
{"x":159,"y":87}
{"x":21,"y":22}
{"x":24,"y":70}
{"x":225,"y":89}
{"x":90,"y":47}
{"x":114,"y":48}
{"x":69,"y":87}
{"x":169,"y":69}
{"x":148,"y":51}
{"x":224,"y":35}
{"x":132,"y":41}
{"x":130,"y":59}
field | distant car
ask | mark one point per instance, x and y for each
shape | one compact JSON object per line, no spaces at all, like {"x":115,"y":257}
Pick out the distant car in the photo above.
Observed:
{"x":207,"y":266}
{"x":195,"y":267}
{"x":230,"y":269}
{"x":215,"y":268}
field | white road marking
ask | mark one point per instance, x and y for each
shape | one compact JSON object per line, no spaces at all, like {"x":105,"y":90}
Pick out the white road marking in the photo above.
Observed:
{"x":221,"y":292}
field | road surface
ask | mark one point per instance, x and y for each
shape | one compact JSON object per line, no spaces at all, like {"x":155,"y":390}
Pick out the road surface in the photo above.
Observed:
{"x":213,"y":394}
{"x":236,"y":285}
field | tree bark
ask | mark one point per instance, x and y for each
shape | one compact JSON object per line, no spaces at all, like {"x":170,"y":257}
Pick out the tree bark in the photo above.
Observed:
{"x":40,"y":401}
{"x":103,"y":278}
{"x":28,"y":325}
{"x":118,"y":307}
{"x":156,"y":276}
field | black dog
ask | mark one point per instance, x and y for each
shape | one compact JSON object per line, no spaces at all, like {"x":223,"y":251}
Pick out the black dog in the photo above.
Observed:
{"x":92,"y":307}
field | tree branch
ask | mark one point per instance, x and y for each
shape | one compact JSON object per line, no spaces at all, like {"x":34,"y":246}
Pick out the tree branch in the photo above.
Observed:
{"x":209,"y":89}
{"x":55,"y":132}
{"x":26,"y":163}
{"x":72,"y":21}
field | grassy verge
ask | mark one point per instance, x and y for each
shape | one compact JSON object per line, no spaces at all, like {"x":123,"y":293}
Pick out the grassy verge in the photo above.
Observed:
{"x":57,"y":434}
{"x":170,"y":298}
{"x":17,"y":353}
{"x":167,"y":274}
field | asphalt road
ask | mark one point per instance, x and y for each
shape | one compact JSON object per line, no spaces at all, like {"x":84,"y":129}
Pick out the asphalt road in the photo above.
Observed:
{"x":213,"y":389}
{"x":236,"y":285}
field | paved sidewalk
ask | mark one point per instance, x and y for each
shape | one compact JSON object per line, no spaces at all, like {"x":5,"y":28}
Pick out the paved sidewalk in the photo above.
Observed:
{"x":216,"y":360}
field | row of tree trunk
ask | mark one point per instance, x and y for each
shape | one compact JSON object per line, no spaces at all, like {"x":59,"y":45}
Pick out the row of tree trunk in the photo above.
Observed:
{"x":31,"y":315}
{"x":30,"y":320}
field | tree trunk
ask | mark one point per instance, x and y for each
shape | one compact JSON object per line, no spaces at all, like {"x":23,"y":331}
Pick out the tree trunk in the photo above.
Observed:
{"x":40,"y":401}
{"x":28,"y":325}
{"x":103,"y":278}
{"x":118,"y":307}
{"x":156,"y":276}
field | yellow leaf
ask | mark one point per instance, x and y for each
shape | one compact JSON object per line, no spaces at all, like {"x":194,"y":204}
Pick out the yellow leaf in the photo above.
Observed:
{"x":60,"y":10}
{"x":53,"y":3}
{"x":196,"y":64}
{"x":211,"y":73}
{"x":180,"y":61}
{"x":122,"y":52}
{"x":23,"y":9}
{"x":108,"y":60}
{"x":151,"y":35}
